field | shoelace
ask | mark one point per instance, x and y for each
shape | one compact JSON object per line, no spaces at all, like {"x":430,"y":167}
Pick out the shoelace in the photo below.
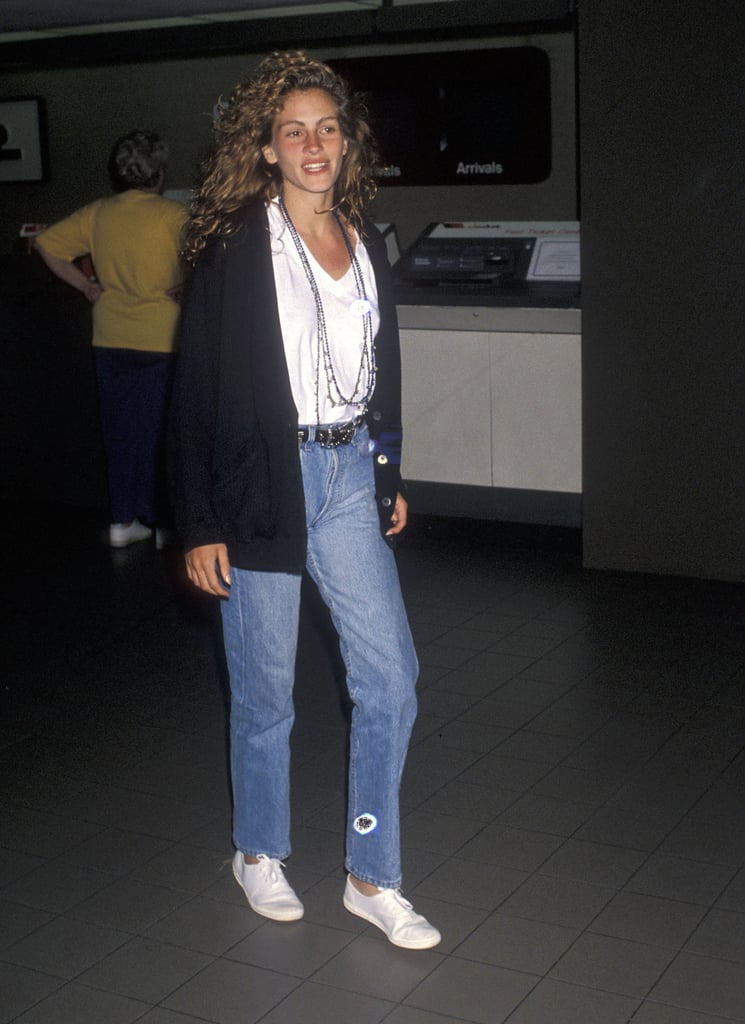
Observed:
{"x":401,"y":899}
{"x":271,"y":868}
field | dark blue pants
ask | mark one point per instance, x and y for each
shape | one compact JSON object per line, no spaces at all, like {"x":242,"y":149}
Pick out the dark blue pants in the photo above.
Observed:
{"x":134,"y":389}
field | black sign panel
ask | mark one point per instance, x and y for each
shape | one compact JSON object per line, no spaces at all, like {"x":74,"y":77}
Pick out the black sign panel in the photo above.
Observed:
{"x":469,"y":117}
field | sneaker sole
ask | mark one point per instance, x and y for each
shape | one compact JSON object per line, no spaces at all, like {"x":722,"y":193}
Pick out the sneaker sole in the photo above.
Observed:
{"x":127,"y":541}
{"x":401,"y":943}
{"x":273,"y":915}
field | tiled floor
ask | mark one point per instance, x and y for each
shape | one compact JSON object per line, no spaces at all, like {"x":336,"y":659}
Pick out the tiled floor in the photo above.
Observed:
{"x":573,"y":798}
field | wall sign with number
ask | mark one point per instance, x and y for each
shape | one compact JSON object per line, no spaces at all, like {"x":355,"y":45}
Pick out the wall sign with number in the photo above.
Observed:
{"x":22,"y":139}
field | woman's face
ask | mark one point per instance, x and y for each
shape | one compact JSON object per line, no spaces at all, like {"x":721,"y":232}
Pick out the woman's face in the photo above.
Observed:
{"x":307,"y":142}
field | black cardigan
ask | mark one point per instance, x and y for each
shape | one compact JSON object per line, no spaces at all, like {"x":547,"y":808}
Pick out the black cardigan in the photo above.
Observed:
{"x":233,"y":458}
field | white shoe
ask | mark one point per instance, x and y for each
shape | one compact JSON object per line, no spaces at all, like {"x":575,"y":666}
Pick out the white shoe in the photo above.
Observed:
{"x":122,"y":534}
{"x":164,"y":538}
{"x":267,"y":890}
{"x":394,"y":915}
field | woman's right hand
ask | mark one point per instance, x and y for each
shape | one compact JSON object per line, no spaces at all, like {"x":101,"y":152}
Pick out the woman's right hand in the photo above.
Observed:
{"x":92,"y":291}
{"x":209,"y":569}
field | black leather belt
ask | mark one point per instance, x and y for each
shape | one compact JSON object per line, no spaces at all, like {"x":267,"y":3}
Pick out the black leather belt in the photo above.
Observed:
{"x":329,"y":437}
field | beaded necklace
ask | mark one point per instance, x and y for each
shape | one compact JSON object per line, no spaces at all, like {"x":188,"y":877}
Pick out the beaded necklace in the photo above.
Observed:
{"x":361,"y":307}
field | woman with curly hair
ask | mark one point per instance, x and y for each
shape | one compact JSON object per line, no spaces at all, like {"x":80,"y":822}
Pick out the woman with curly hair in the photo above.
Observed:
{"x":285,"y":457}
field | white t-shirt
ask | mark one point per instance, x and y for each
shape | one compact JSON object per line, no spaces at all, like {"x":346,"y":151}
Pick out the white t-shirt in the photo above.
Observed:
{"x":343,"y":315}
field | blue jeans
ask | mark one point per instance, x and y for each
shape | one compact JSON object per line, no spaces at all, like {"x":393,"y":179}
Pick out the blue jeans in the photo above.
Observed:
{"x":356,"y":575}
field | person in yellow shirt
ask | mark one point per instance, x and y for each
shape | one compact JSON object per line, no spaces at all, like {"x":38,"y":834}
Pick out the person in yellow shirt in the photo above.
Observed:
{"x":134,"y":240}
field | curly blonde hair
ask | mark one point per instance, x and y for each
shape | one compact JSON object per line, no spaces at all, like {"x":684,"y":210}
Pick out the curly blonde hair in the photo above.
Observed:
{"x":237,"y":172}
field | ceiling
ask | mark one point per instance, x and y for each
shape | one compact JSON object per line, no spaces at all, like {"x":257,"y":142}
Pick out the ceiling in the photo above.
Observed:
{"x":36,"y":33}
{"x":58,"y":17}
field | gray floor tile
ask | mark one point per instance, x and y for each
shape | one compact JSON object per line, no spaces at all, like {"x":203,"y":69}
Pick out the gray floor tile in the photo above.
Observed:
{"x":516,"y":944}
{"x":541,"y":693}
{"x":33,"y":832}
{"x":476,"y":736}
{"x":65,"y":947}
{"x":410,"y":1015}
{"x":512,"y":773}
{"x":205,"y":925}
{"x":698,"y":839}
{"x":117,"y":807}
{"x":476,"y":992}
{"x":145,"y":969}
{"x":158,"y":1015}
{"x":319,"y":1004}
{"x":15,"y":864}
{"x":495,"y":621}
{"x":657,"y":1013}
{"x":226,"y":992}
{"x":440,"y":833}
{"x":546,"y":751}
{"x":75,"y":1004}
{"x":612,"y":965}
{"x":558,"y":817}
{"x":524,"y":645}
{"x":469,"y":639}
{"x":471,"y":884}
{"x":464,"y":800}
{"x":675,"y":878}
{"x":494,"y":669}
{"x":189,"y":868}
{"x":648,"y":919}
{"x":565,"y":719}
{"x":115,"y":851}
{"x":704,"y":984}
{"x":720,"y":934}
{"x":449,"y":615}
{"x":57,"y":886}
{"x":561,"y":901}
{"x":298,"y":949}
{"x":635,"y":830}
{"x":129,"y":905}
{"x":733,"y":897}
{"x":554,"y":1002}
{"x":593,"y":862}
{"x":373,"y":967}
{"x":499,"y":711}
{"x":22,"y":989}
{"x":441,"y":656}
{"x":585,"y":787}
{"x":518,"y":848}
{"x":17,"y":921}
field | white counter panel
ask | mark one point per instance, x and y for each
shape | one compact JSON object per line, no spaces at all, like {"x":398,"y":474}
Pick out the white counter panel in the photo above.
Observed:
{"x":499,"y":409}
{"x":536,"y":416}
{"x":447,"y":407}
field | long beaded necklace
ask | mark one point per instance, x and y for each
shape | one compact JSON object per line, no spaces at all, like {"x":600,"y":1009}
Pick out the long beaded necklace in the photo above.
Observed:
{"x":361,"y":306}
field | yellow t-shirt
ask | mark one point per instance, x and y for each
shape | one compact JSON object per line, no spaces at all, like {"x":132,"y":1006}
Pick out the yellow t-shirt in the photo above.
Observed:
{"x":134,"y":240}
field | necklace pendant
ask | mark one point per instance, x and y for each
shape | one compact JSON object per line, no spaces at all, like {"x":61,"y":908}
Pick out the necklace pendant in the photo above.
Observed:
{"x":360,"y":307}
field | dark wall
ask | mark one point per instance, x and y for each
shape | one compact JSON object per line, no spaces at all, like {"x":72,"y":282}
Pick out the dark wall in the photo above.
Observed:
{"x":662,"y":129}
{"x":88,"y":107}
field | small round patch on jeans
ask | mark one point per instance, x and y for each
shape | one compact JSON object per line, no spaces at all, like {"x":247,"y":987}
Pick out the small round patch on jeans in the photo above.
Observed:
{"x":365,"y":823}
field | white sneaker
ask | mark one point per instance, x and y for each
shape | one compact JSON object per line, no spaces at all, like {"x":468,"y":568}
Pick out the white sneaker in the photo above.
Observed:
{"x":267,"y":890}
{"x":165,"y":538}
{"x":394,"y":915}
{"x":122,"y":534}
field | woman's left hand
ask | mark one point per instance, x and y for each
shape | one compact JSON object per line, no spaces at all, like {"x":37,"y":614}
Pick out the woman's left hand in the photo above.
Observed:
{"x":398,"y":519}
